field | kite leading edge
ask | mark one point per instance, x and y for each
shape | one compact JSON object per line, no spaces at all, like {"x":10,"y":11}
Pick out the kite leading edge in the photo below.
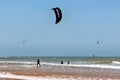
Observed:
{"x":58,"y":14}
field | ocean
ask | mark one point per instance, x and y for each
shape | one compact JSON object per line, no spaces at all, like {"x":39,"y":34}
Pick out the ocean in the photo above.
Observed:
{"x":97,"y":62}
{"x":79,"y":68}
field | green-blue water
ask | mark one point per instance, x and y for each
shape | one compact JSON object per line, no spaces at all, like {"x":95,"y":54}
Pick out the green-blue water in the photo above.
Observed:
{"x":97,"y":60}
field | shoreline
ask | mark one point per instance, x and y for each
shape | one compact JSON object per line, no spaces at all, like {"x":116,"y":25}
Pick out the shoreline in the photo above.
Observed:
{"x":58,"y":72}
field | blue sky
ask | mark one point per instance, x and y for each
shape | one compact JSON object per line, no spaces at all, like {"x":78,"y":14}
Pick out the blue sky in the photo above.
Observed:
{"x":84,"y":22}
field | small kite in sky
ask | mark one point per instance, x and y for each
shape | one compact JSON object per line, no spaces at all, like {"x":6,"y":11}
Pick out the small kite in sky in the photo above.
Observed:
{"x":97,"y":42}
{"x":58,"y":14}
{"x":24,"y":41}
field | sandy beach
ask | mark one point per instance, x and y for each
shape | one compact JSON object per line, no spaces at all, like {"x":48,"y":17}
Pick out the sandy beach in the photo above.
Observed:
{"x":47,"y":72}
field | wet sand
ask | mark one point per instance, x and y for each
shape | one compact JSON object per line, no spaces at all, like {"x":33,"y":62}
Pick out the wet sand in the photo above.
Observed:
{"x":9,"y":79}
{"x":63,"y":72}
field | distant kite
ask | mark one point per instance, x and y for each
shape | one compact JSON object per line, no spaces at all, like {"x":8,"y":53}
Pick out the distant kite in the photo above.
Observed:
{"x":24,"y":41}
{"x":58,"y":14}
{"x":93,"y":56}
{"x":97,"y":42}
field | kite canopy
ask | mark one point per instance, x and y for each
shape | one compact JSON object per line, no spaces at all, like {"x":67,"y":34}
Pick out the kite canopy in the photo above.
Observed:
{"x":24,"y":41}
{"x":97,"y":42}
{"x":58,"y":14}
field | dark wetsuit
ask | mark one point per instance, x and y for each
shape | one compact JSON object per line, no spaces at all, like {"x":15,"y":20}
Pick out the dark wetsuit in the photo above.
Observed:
{"x":61,"y":62}
{"x":38,"y":62}
{"x":68,"y":62}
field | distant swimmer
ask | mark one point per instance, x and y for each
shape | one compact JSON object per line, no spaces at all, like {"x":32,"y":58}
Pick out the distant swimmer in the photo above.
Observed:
{"x":62,"y":62}
{"x":38,"y":63}
{"x":68,"y":62}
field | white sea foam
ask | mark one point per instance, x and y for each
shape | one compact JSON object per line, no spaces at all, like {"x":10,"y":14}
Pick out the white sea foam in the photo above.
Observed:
{"x":32,"y":64}
{"x":9,"y":75}
{"x":104,"y":66}
{"x":16,"y":62}
{"x":97,"y":66}
{"x":115,"y":62}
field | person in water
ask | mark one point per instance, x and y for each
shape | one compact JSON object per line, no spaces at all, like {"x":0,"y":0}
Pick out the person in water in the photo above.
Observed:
{"x":68,"y":62}
{"x":38,"y":63}
{"x":62,"y":62}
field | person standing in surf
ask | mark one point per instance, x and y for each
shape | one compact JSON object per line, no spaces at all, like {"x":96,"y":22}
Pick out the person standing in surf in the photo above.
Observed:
{"x":68,"y":62}
{"x":61,"y":61}
{"x":38,"y":63}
